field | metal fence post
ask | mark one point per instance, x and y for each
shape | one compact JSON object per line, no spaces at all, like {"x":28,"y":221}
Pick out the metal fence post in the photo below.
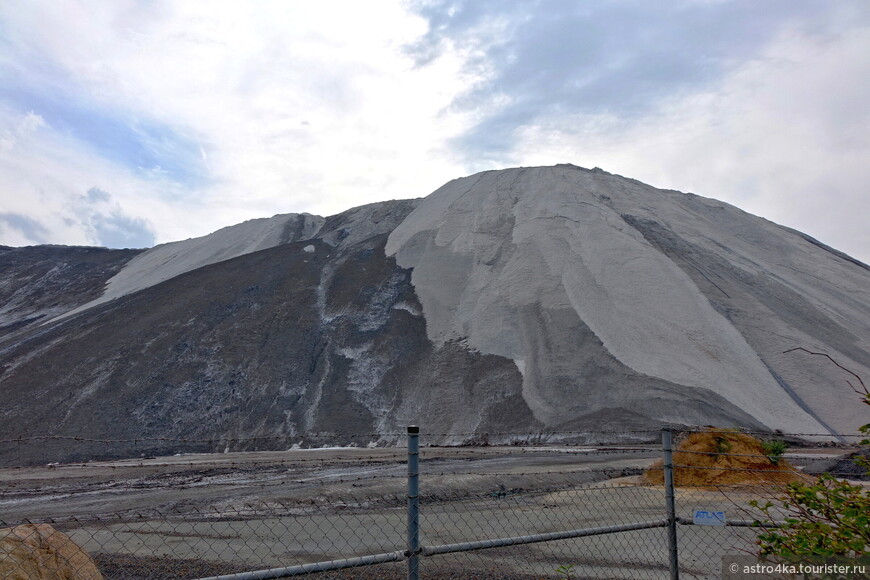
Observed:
{"x":413,"y":502}
{"x":670,"y":501}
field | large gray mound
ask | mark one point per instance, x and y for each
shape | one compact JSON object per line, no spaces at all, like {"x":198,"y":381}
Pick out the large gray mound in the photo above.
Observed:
{"x":532,"y":300}
{"x":677,"y":287}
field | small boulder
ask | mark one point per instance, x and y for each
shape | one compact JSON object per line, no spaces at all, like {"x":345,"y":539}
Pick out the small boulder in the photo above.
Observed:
{"x":40,"y":552}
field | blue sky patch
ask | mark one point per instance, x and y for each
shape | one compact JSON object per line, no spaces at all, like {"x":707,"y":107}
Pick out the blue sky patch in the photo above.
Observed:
{"x":27,"y":226}
{"x":143,"y":145}
{"x":121,"y":231}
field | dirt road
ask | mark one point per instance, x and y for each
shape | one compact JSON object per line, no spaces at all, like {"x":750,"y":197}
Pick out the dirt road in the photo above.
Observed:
{"x":197,"y":481}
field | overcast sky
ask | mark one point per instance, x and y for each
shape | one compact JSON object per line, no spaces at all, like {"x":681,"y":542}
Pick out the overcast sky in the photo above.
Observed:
{"x":129,"y":123}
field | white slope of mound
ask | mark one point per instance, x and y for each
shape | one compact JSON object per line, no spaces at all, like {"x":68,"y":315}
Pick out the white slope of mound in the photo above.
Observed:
{"x":487,"y":247}
{"x":166,"y":261}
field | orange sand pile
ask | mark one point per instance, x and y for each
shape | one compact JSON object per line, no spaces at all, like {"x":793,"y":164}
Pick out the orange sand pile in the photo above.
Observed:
{"x":722,"y":457}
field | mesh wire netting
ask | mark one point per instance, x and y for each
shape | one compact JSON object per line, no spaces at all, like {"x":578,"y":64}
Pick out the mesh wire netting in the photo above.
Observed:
{"x":207,"y":516}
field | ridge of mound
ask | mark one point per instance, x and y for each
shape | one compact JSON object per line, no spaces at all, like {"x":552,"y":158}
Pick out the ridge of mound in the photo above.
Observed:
{"x":166,"y":261}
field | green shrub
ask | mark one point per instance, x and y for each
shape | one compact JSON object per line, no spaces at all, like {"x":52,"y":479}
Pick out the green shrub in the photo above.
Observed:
{"x":828,"y":517}
{"x":774,"y":448}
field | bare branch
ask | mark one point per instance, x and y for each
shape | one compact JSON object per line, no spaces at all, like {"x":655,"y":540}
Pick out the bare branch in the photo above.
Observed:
{"x":862,"y":391}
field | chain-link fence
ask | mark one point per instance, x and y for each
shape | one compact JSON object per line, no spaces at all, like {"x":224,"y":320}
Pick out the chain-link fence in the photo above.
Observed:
{"x":541,"y":507}
{"x":718,"y":474}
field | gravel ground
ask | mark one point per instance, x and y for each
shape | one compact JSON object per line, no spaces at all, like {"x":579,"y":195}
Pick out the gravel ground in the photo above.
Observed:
{"x":196,"y":516}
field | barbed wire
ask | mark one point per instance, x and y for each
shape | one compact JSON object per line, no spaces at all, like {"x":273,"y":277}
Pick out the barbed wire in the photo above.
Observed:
{"x":427,"y":454}
{"x":372,"y":437}
{"x":741,"y":469}
{"x":779,"y":434}
{"x":756,"y":455}
{"x":531,"y":439}
{"x":191,"y":513}
{"x":327,"y":479}
{"x":604,"y":472}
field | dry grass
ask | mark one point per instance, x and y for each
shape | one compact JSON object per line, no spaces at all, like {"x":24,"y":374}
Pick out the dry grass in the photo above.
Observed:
{"x":723,"y":457}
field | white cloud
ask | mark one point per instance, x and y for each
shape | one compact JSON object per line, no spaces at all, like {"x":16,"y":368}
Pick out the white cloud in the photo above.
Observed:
{"x":21,"y":128}
{"x":292,"y":106}
{"x":46,"y":178}
{"x":785,"y":136}
{"x":30,"y":123}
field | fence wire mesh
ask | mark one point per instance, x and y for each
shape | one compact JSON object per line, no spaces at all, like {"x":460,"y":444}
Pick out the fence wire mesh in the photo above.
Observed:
{"x":516,"y":512}
{"x":195,"y":516}
{"x":720,"y":472}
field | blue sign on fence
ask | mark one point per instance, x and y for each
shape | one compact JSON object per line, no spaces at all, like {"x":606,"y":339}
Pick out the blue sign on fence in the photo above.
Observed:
{"x":708,"y":518}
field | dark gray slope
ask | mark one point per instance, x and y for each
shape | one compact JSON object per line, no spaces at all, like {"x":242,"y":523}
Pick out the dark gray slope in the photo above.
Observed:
{"x":40,"y":282}
{"x":260,"y":345}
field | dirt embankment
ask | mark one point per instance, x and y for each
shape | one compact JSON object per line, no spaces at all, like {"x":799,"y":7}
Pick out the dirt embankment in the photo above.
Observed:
{"x":722,"y":457}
